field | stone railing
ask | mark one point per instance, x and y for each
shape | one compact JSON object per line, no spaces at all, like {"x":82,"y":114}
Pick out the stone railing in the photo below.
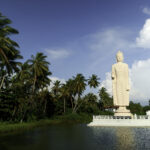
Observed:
{"x":121,"y":117}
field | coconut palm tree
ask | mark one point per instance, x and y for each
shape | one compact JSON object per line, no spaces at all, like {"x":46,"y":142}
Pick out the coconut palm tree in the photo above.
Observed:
{"x":79,"y":84}
{"x":56,"y":87}
{"x":93,"y":81}
{"x":105,"y":98}
{"x":71,"y":91}
{"x":64,"y":94}
{"x":91,"y":98}
{"x":79,"y":87}
{"x":39,"y":69}
{"x":8,"y":47}
{"x":24,"y":72}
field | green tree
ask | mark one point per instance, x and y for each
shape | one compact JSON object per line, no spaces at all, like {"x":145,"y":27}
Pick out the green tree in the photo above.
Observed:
{"x":91,"y":98}
{"x":64,"y":94}
{"x":79,"y":87}
{"x":71,"y":91}
{"x":39,"y":69}
{"x":93,"y":81}
{"x":79,"y":84}
{"x":8,"y":49}
{"x":24,"y":73}
{"x":90,"y":104}
{"x":105,"y":99}
{"x":136,"y":108}
{"x":56,"y":88}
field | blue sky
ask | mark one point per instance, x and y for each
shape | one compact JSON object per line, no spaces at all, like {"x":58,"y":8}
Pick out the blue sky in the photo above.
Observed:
{"x":83,"y":36}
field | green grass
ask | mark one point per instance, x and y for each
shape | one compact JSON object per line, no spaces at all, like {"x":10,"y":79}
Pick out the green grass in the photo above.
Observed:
{"x":11,"y":127}
{"x":6,"y":127}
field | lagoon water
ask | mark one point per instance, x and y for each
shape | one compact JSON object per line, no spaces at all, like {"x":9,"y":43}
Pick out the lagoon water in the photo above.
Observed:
{"x":78,"y":137}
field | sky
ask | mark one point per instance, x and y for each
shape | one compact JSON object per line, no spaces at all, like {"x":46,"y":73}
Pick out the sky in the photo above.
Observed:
{"x":83,"y":36}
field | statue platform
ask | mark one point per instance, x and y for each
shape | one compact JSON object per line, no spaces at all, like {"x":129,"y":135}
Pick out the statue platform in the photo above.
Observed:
{"x":134,"y":121}
{"x":123,"y":111}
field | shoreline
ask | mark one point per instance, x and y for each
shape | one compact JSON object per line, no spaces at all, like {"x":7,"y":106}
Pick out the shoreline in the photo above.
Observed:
{"x":6,"y":127}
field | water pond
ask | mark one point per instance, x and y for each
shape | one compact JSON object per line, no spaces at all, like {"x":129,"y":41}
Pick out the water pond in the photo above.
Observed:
{"x":78,"y":137}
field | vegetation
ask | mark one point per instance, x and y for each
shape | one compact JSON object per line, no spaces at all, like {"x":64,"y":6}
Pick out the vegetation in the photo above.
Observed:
{"x":25,"y":95}
{"x":137,"y":108}
{"x":24,"y":87}
{"x":7,"y":127}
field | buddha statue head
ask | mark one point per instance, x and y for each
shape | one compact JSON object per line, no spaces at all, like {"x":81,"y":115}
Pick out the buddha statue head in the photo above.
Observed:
{"x":119,"y":56}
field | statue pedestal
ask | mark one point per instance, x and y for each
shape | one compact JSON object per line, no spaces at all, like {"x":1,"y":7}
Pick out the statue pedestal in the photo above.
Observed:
{"x":122,"y":111}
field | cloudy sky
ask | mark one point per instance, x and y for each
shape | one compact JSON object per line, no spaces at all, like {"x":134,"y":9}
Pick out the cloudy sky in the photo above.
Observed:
{"x":83,"y":36}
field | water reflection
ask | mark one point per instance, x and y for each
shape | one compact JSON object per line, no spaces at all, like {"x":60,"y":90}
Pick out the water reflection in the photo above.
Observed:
{"x":125,"y":138}
{"x":103,"y":138}
{"x":78,"y":137}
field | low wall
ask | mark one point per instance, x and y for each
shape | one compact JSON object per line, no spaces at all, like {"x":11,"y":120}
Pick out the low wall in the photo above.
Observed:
{"x":120,"y":121}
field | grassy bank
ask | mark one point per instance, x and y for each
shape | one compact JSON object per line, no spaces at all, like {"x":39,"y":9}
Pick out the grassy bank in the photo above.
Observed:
{"x":6,"y":127}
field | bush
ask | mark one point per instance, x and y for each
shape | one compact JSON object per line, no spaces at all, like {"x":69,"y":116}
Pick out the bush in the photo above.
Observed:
{"x":74,"y":118}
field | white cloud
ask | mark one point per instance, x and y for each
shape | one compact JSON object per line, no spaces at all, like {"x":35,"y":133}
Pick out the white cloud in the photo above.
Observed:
{"x":57,"y":53}
{"x":143,"y":40}
{"x":139,"y":80}
{"x":107,"y":83}
{"x":104,"y":45}
{"x":111,"y":38}
{"x":146,"y":10}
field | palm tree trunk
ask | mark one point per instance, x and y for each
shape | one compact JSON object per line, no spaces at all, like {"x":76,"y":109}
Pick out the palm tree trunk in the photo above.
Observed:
{"x":2,"y":82}
{"x":34,"y":83}
{"x":79,"y":106}
{"x":76,"y":105}
{"x":45,"y":106}
{"x":23,"y":116}
{"x":14,"y":111}
{"x":74,"y":108}
{"x":71,"y":103}
{"x":64,"y":105}
{"x":5,"y":57}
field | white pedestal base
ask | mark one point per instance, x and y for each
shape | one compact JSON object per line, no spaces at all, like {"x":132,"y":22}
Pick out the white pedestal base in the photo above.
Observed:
{"x":122,"y":111}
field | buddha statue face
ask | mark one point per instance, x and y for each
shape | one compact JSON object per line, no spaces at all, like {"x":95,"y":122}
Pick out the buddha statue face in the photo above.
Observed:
{"x":119,"y":57}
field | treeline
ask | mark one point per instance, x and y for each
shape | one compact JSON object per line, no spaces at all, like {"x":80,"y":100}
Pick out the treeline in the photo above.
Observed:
{"x":24,"y":87}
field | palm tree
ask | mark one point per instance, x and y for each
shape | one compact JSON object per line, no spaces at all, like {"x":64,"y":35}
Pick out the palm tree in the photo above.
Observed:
{"x":8,"y":47}
{"x":93,"y":81}
{"x":90,"y":98}
{"x":64,"y":94}
{"x":79,"y":87}
{"x":71,"y":91}
{"x":105,"y":98}
{"x":79,"y":84}
{"x":56,"y":87}
{"x":39,"y":69}
{"x":24,"y":72}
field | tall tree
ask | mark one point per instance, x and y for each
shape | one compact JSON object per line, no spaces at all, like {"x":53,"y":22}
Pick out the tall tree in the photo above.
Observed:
{"x":93,"y":81}
{"x":56,"y":87}
{"x":8,"y":49}
{"x":105,"y":99}
{"x":71,"y":91}
{"x":79,"y":84}
{"x":90,"y":104}
{"x":91,"y":98}
{"x":39,"y":69}
{"x":64,"y":94}
{"x":79,"y":87}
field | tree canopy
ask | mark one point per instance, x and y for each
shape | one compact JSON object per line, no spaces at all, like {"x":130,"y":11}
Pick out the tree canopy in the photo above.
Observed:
{"x":27,"y":92}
